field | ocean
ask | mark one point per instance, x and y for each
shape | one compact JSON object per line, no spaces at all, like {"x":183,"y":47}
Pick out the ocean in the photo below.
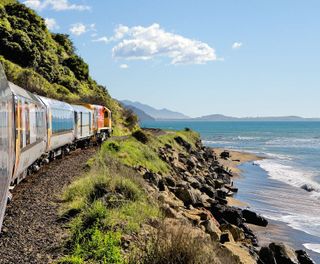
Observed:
{"x":275,"y":186}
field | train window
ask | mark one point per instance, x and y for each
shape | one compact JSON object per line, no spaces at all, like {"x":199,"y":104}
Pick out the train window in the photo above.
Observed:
{"x":62,"y":120}
{"x":27,"y":122}
{"x":106,"y":115}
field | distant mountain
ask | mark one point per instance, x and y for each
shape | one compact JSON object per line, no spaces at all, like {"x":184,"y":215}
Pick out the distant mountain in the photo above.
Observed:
{"x":141,"y":115}
{"x":156,"y":113}
{"x":217,"y":117}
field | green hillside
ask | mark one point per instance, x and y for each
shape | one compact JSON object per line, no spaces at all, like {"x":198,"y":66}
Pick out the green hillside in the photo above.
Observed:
{"x":47,"y":64}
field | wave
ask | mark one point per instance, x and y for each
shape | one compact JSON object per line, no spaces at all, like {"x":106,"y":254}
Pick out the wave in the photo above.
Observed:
{"x":292,"y":142}
{"x":290,"y":175}
{"x":312,"y":247}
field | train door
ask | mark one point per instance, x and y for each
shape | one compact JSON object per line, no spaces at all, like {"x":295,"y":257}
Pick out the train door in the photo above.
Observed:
{"x":6,"y":141}
{"x":81,"y":125}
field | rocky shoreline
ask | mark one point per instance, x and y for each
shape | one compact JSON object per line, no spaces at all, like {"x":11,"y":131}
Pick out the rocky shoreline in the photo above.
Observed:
{"x":199,"y":191}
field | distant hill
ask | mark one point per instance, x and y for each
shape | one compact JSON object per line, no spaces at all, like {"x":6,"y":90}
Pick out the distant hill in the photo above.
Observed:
{"x":156,"y":113}
{"x":217,"y":117}
{"x":141,"y":115}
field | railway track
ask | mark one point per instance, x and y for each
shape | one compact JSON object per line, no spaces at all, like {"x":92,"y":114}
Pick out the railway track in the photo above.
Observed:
{"x":31,"y":231}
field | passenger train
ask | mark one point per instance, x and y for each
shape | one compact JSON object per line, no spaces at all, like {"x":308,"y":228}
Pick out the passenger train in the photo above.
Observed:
{"x":35,"y":130}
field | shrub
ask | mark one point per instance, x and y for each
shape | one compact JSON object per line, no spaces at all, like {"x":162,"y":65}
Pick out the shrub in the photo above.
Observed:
{"x":140,"y":136}
{"x":175,"y":243}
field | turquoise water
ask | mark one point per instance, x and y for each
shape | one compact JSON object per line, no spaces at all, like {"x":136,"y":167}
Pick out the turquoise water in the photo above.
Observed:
{"x":273,"y":186}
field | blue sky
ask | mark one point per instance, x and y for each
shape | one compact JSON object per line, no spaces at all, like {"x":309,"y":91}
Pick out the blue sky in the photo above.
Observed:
{"x":234,"y":57}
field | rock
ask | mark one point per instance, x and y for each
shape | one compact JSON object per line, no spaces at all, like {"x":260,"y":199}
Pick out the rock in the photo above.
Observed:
{"x":226,"y":236}
{"x":169,"y":212}
{"x":152,"y":178}
{"x":231,"y":188}
{"x":170,"y":181}
{"x":218,"y":184}
{"x":254,"y":218}
{"x":183,"y":143}
{"x":307,"y":188}
{"x":212,"y":229}
{"x":226,"y":214}
{"x":283,"y":254}
{"x":208,"y":190}
{"x":303,"y":257}
{"x":266,"y":256}
{"x":194,"y":182}
{"x":236,"y":232}
{"x":193,"y":217}
{"x":225,"y":154}
{"x":186,"y":195}
{"x":203,"y":200}
{"x":170,"y":199}
{"x":191,"y":163}
{"x":221,"y":193}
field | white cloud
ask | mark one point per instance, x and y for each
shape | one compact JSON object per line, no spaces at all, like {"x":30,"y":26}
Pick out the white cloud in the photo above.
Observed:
{"x":237,"y":45}
{"x":51,"y":23}
{"x":57,"y":5}
{"x":78,"y":29}
{"x":124,"y":66}
{"x":145,"y":43}
{"x":102,"y":39}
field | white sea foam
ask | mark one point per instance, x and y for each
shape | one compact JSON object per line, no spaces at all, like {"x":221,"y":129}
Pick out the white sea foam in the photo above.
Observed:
{"x":294,"y":142}
{"x":290,"y":175}
{"x":313,"y":247}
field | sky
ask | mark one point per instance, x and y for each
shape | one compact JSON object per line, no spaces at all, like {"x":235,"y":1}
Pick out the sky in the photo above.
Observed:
{"x":232,"y":57}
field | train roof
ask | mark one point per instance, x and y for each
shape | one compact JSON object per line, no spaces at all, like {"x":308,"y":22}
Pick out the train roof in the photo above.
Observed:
{"x":81,"y":108}
{"x":52,"y":103}
{"x":93,"y":106}
{"x":22,"y":92}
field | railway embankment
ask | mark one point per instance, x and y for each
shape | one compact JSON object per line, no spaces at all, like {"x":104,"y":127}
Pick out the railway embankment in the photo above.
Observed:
{"x":162,"y":197}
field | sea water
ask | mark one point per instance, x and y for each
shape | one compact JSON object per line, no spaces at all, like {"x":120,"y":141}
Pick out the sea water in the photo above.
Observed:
{"x":275,"y":186}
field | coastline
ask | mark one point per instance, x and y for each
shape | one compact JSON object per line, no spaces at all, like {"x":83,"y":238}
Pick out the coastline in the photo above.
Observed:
{"x":275,"y":231}
{"x":237,"y":158}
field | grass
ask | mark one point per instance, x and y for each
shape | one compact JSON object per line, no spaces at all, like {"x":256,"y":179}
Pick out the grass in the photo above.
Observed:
{"x":101,"y":207}
{"x":110,"y":202}
{"x":175,"y":243}
{"x":133,"y":153}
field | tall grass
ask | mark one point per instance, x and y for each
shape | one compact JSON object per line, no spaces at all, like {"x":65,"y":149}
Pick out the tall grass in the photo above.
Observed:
{"x":101,"y":207}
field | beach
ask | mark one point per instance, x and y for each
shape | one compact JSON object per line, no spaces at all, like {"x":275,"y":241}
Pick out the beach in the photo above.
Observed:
{"x":243,"y":165}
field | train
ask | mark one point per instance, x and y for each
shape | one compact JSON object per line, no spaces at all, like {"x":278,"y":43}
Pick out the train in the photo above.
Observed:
{"x":35,"y":130}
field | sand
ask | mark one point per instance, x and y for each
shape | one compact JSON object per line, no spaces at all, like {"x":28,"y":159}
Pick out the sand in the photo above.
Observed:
{"x":237,"y":158}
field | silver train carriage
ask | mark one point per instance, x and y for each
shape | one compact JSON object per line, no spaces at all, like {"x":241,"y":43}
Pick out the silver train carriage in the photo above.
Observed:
{"x":60,"y":127}
{"x":30,"y":132}
{"x":6,"y":141}
{"x":83,"y":119}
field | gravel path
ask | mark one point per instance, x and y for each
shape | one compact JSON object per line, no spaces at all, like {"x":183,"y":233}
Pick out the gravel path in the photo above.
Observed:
{"x":31,"y":232}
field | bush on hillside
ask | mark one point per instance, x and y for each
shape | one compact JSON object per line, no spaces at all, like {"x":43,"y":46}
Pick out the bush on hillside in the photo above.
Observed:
{"x":47,"y":64}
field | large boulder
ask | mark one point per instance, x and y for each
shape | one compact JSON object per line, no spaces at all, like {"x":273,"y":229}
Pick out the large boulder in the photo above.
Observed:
{"x":225,"y":214}
{"x":266,"y":256}
{"x":208,"y":190}
{"x":186,"y":195}
{"x":283,"y":254}
{"x":303,"y":257}
{"x":183,"y":143}
{"x":253,"y":218}
{"x":236,"y":232}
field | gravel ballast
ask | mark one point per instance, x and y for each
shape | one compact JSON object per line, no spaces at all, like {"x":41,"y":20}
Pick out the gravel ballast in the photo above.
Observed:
{"x":32,"y":232}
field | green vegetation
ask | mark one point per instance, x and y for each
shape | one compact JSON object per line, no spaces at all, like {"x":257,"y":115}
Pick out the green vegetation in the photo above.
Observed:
{"x":46,"y":63}
{"x":134,"y":153}
{"x":106,"y":204}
